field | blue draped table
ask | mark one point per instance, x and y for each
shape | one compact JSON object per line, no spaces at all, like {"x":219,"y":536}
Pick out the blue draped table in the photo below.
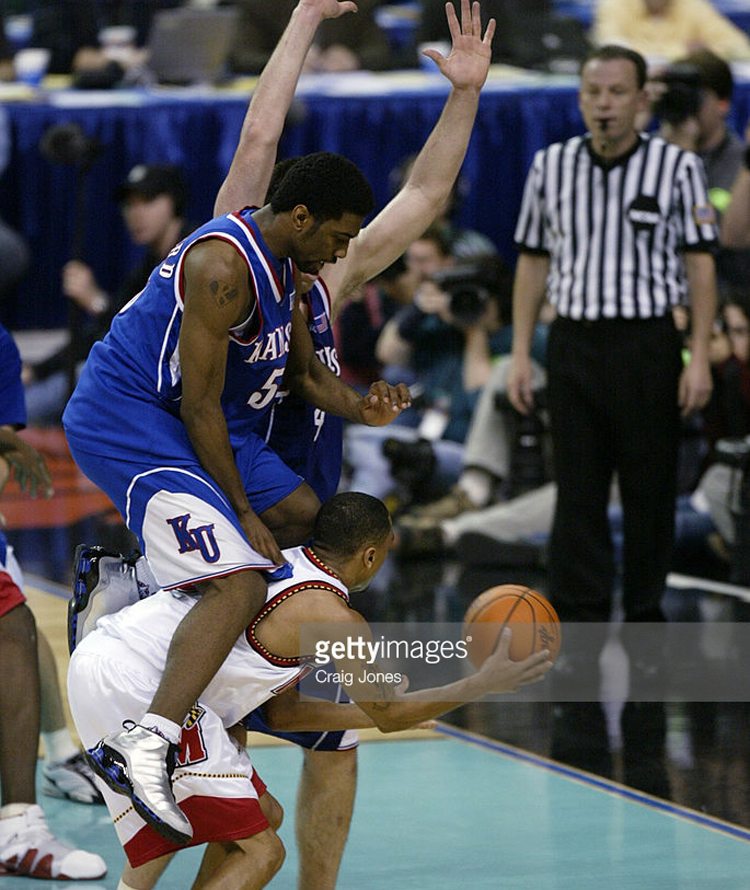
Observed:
{"x":376,"y":120}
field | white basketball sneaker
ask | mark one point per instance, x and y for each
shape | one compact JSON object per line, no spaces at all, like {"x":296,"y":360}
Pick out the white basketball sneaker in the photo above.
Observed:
{"x":72,"y":778}
{"x":29,"y":849}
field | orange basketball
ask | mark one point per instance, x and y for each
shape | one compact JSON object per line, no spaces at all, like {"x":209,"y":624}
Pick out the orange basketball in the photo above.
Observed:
{"x":526,"y":612}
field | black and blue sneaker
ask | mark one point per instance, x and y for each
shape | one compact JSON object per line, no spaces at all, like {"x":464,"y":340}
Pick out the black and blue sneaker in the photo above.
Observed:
{"x":139,"y":763}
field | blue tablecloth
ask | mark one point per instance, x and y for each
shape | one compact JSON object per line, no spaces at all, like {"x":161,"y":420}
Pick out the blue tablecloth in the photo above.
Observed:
{"x":374,"y":120}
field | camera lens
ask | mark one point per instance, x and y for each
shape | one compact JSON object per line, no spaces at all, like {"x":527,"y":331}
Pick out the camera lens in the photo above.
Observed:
{"x":467,"y":303}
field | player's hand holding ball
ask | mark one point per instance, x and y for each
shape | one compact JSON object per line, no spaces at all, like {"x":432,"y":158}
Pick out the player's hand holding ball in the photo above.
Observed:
{"x":502,"y":674}
{"x":530,"y":615}
{"x":510,"y":625}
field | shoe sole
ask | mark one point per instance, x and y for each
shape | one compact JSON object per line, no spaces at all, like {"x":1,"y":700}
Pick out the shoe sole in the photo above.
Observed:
{"x":115,"y":778}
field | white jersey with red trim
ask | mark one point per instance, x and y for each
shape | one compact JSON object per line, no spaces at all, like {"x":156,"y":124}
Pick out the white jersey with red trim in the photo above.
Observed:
{"x":250,"y":675}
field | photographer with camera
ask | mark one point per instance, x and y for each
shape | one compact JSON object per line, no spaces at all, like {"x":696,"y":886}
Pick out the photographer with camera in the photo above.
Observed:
{"x":502,"y":495}
{"x":724,"y":488}
{"x":694,"y":100}
{"x":449,"y":336}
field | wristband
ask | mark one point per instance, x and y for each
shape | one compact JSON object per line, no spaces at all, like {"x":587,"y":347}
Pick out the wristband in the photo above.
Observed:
{"x":746,"y":158}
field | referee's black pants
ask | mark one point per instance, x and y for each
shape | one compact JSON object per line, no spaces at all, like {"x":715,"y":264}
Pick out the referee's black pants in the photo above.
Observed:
{"x":612,"y":391}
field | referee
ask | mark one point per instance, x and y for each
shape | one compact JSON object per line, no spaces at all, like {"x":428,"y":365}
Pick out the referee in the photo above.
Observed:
{"x":615,"y":230}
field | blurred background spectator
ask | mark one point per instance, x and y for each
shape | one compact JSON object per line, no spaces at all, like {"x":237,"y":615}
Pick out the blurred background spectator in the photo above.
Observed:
{"x":666,"y":29}
{"x":152,"y":200}
{"x":462,"y":243}
{"x":458,"y":322}
{"x":361,"y":321}
{"x":530,"y":33}
{"x":344,"y":44}
{"x":14,"y":252}
{"x":693,"y":106}
{"x":76,"y":34}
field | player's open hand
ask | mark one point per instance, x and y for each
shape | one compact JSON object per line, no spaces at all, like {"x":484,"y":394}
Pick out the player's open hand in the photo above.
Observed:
{"x":329,"y":9}
{"x":469,"y":59}
{"x":260,"y":538}
{"x":502,"y":674}
{"x":383,"y":403}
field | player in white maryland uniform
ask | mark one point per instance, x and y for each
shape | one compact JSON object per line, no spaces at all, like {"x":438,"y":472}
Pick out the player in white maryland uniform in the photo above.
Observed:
{"x":118,"y":665}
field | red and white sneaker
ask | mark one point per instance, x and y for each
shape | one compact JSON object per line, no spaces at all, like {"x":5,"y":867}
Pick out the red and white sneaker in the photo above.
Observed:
{"x":29,"y":849}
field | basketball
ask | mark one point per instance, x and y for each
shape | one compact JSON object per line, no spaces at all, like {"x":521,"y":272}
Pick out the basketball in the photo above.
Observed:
{"x":526,"y":612}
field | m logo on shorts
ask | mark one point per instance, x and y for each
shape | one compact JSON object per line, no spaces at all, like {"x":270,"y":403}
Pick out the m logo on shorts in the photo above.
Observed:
{"x":191,"y":539}
{"x":192,"y":743}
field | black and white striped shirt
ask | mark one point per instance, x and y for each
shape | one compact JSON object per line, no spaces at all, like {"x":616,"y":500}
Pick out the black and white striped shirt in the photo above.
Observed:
{"x":615,"y":234}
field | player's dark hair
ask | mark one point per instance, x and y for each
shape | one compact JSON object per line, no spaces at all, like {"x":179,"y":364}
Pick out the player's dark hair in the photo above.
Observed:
{"x":280,"y":170}
{"x":350,"y":521}
{"x":613,"y":52}
{"x":329,"y":185}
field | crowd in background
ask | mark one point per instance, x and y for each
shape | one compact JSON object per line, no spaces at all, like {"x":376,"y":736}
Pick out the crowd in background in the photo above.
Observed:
{"x":454,"y":470}
{"x":393,"y":325}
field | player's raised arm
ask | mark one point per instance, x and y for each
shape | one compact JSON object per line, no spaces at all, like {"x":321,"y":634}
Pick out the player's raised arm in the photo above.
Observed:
{"x":431,"y":180}
{"x":250,"y":171}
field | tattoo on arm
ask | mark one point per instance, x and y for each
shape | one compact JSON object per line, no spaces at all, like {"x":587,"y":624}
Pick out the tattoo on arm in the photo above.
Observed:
{"x":223,"y":292}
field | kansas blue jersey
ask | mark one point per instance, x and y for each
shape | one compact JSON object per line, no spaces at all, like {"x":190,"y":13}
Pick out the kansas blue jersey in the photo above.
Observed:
{"x":140,"y":356}
{"x":307,"y":439}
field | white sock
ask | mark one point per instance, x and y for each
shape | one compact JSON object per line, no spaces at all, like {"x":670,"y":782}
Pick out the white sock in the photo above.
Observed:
{"x":123,"y":886}
{"x":155,"y":722}
{"x":478,"y":485}
{"x":58,"y":746}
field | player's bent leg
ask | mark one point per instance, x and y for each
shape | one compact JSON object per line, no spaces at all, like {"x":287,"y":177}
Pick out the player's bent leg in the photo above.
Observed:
{"x":325,"y":802}
{"x":291,"y":519}
{"x":145,"y":876}
{"x":216,"y":853}
{"x":247,"y":864}
{"x":272,"y":810}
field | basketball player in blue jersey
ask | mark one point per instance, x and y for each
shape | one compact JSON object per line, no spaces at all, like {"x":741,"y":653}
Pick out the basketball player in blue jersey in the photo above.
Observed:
{"x":310,"y":440}
{"x":165,"y":414}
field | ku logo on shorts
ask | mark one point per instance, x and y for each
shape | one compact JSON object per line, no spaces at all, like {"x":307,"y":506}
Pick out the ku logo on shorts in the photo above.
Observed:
{"x":201,"y":538}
